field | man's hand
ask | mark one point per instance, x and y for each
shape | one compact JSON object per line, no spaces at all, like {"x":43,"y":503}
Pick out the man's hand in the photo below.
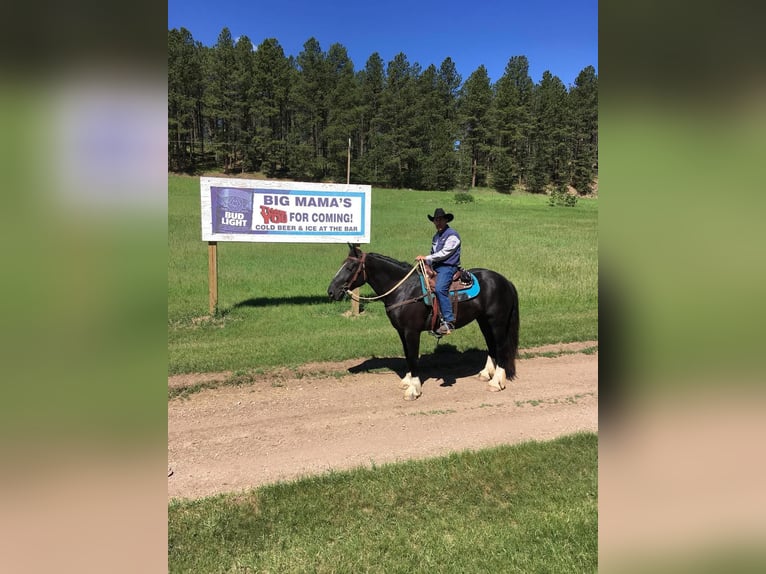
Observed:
{"x":420,"y":258}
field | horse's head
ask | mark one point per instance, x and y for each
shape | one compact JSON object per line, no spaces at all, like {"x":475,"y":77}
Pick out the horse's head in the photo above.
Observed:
{"x":351,"y":274}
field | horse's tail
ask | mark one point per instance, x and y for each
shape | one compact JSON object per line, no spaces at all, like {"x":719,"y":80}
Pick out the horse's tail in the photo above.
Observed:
{"x":512,"y":333}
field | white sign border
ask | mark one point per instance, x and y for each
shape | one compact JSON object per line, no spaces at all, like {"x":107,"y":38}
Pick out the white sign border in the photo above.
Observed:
{"x":302,"y":237}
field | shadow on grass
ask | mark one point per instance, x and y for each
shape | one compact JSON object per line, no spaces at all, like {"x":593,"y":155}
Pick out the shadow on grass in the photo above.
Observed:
{"x":276,"y":301}
{"x":445,"y":363}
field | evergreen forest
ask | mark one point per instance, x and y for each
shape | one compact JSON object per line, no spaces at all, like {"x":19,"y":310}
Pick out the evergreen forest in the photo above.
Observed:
{"x":237,"y":108}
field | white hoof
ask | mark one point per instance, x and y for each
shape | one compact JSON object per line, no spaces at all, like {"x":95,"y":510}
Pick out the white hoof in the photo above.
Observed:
{"x":488,"y":371}
{"x":409,"y":395}
{"x":413,"y":390}
{"x":498,"y":381}
{"x":406,"y":381}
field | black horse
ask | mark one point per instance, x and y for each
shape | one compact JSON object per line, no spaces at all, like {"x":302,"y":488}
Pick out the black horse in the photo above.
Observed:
{"x":495,"y":308}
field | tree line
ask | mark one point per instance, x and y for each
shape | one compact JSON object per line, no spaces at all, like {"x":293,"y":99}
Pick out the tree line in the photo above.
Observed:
{"x":239,"y":109}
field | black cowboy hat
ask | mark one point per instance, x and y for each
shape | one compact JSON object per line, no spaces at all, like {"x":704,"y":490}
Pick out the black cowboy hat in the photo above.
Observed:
{"x":440,"y":213}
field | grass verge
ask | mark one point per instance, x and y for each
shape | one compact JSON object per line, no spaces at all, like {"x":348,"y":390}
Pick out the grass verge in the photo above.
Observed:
{"x":524,"y":508}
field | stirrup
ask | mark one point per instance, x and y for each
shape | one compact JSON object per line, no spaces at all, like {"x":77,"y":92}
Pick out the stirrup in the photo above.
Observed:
{"x":446,"y":328}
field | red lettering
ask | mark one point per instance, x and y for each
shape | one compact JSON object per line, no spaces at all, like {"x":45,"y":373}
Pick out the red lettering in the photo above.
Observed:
{"x":273,"y":215}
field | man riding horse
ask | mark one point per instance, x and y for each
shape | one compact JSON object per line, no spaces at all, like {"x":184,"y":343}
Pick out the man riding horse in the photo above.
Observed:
{"x":445,"y":261}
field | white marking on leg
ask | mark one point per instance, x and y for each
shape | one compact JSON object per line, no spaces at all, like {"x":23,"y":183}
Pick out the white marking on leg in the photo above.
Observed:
{"x":413,"y":390}
{"x":488,"y":371}
{"x":498,"y":380}
{"x":405,"y":382}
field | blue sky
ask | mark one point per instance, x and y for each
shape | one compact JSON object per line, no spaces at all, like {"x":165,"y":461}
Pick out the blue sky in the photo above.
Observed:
{"x":556,"y":35}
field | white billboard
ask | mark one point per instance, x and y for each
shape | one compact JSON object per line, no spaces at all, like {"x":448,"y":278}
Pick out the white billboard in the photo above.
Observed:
{"x":279,"y":211}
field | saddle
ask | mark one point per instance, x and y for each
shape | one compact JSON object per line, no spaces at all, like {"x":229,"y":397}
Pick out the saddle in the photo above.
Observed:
{"x":464,"y":286}
{"x":461,"y":280}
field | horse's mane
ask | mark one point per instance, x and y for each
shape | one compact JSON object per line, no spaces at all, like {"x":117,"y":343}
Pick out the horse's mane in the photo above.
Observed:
{"x":399,"y":264}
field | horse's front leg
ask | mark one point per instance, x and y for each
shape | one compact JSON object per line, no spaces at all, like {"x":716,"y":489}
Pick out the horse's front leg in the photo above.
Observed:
{"x":411,"y":381}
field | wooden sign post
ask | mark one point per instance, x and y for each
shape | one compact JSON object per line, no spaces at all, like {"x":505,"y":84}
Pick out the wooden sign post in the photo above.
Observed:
{"x":212,"y":275}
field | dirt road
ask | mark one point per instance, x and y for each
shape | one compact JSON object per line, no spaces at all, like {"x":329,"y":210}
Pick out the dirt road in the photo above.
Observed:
{"x":285,"y":426}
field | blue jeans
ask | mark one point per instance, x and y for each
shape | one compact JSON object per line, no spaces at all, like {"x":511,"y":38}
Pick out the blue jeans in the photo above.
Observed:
{"x":444,"y":275}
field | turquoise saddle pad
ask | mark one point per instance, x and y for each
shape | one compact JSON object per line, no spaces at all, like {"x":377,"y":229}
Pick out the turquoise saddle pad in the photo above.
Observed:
{"x":462,"y":294}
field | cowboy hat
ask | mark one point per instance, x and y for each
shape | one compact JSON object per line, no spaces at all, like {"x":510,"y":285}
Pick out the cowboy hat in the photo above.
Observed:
{"x":439,"y":212}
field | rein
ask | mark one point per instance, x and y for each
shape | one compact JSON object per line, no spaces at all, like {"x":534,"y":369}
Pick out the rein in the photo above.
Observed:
{"x":421,"y":266}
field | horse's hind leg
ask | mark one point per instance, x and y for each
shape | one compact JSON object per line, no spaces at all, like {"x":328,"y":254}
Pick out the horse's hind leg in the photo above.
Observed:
{"x":495,"y":337}
{"x":488,"y":371}
{"x":509,"y":348}
{"x":507,"y":336}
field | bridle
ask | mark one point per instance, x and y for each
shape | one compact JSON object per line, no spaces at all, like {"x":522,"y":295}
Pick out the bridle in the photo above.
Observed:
{"x":360,"y":269}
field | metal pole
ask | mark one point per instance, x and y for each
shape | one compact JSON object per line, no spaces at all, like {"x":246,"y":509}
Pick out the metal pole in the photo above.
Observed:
{"x":354,"y":300}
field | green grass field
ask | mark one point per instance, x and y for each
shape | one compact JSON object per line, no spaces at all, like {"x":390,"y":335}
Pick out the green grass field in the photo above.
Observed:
{"x":524,"y":508}
{"x":273,"y":306}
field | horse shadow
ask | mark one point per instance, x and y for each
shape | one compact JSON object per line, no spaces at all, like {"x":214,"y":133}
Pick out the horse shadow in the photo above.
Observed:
{"x":445,"y":363}
{"x":275,"y":302}
{"x":279,"y":301}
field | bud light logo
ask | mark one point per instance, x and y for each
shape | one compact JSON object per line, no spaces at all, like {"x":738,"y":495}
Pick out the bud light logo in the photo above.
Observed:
{"x":232,"y":210}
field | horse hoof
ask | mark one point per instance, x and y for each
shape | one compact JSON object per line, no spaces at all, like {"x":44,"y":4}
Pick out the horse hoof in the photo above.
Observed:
{"x":495,"y":389}
{"x":410,"y":396}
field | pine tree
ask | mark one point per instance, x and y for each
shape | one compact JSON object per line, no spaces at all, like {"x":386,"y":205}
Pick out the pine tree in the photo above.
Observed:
{"x":270,"y":107}
{"x":342,"y":103}
{"x":475,"y":102}
{"x":219,"y":99}
{"x":513,"y":115}
{"x":184,"y":100}
{"x":584,"y":104}
{"x":371,"y":82}
{"x":399,"y":111}
{"x":551,"y":153}
{"x":502,"y":173}
{"x":308,"y":141}
{"x":242,"y":123}
{"x":441,"y":169}
{"x":427,"y":123}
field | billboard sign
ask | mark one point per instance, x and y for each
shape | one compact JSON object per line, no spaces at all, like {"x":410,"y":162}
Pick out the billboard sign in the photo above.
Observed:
{"x":288,"y":212}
